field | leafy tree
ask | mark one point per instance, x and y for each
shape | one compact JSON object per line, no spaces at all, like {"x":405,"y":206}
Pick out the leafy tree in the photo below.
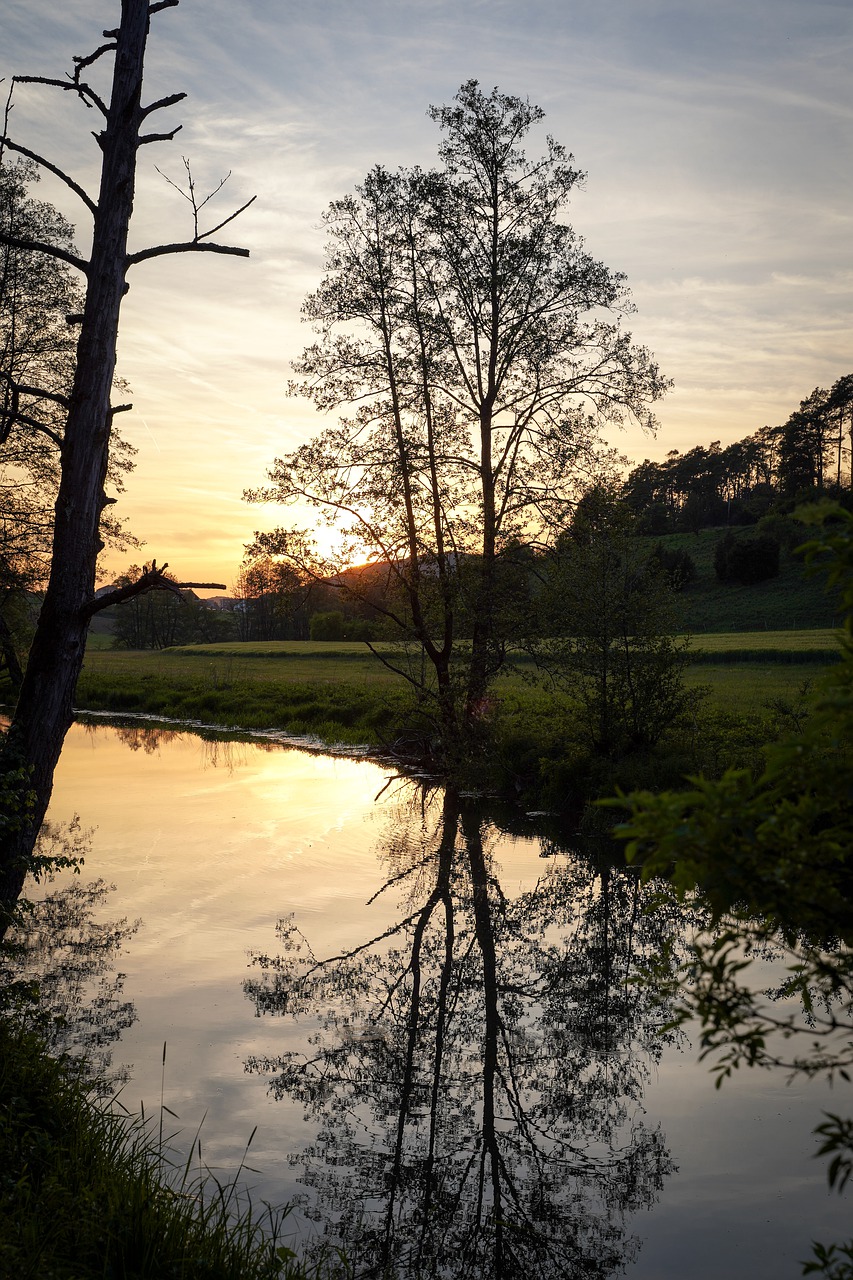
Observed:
{"x":772,"y":858}
{"x":271,"y":600}
{"x":614,"y":647}
{"x":476,"y":346}
{"x":676,"y":564}
{"x":160,"y":619}
{"x":803,"y":445}
{"x":44,"y":709}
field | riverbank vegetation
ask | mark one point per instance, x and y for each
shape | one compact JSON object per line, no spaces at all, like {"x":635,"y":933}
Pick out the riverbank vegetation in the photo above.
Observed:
{"x":341,"y":694}
{"x":767,"y":854}
{"x":86,"y":1192}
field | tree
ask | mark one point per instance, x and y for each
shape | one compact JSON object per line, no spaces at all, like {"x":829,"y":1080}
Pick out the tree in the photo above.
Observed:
{"x":611,"y":623}
{"x":746,"y":560}
{"x":270,"y":601}
{"x":44,"y":709}
{"x":478,"y":1068}
{"x":160,"y":619}
{"x":37,"y":294}
{"x":476,"y":346}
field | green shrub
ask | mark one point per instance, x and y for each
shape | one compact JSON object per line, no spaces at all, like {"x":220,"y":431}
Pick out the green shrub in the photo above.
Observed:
{"x":746,"y":560}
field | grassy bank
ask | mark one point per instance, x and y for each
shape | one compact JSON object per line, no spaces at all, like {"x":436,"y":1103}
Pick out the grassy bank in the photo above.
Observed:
{"x":534,"y":752}
{"x":342,"y":693}
{"x":83,"y":1194}
{"x":787,"y":602}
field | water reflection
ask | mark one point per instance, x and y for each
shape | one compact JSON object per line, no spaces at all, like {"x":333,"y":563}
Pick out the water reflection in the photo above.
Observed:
{"x":217,"y":749}
{"x":57,"y":970}
{"x":477,"y":1069}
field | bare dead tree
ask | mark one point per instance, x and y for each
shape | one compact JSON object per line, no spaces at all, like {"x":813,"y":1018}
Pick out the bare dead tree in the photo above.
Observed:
{"x":44,"y":710}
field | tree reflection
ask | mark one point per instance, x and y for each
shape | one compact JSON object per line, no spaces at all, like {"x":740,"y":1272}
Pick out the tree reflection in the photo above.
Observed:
{"x":478,"y":1067}
{"x":57,"y":968}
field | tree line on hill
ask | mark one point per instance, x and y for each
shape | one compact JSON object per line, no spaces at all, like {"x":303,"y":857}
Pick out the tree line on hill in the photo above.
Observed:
{"x":776,"y":467}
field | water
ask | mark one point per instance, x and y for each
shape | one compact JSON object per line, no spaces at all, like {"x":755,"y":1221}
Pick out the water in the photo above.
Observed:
{"x":425,"y":1017}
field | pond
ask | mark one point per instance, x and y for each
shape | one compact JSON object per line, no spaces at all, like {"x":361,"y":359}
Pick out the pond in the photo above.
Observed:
{"x":431,"y":1021}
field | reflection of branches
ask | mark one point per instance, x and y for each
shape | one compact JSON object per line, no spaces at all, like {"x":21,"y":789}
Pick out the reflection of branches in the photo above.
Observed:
{"x":479,"y":1064}
{"x":57,"y":966}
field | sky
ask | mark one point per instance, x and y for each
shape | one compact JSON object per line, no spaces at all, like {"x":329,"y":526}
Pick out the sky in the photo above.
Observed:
{"x":717,"y":139}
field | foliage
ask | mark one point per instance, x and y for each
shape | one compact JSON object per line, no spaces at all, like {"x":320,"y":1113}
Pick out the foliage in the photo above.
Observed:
{"x":750,"y":478}
{"x":772,"y":857}
{"x":477,"y":348}
{"x":85,"y":1192}
{"x":614,"y":650}
{"x":332,"y":625}
{"x":746,"y":560}
{"x":271,"y":600}
{"x":676,"y":564}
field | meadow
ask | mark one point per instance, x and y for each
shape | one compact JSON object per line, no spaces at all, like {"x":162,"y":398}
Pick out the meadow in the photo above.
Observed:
{"x":341,"y":692}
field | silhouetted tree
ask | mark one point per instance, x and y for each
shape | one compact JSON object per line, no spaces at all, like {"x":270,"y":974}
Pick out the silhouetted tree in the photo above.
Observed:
{"x":44,"y":709}
{"x":478,"y":348}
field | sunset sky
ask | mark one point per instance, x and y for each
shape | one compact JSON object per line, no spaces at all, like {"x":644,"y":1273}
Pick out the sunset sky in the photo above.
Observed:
{"x":717,"y":138}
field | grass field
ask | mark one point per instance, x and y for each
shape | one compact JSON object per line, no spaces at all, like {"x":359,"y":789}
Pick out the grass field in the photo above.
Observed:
{"x":340,"y":692}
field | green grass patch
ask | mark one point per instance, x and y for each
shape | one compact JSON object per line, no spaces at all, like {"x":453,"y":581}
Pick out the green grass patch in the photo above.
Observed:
{"x":87,"y":1194}
{"x":342,"y":693}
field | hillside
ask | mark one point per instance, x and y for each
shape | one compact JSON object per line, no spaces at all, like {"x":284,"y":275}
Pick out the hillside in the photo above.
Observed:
{"x":793,"y":601}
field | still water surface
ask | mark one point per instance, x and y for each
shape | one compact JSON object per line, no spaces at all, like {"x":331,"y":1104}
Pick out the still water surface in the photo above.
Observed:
{"x":431,"y":1021}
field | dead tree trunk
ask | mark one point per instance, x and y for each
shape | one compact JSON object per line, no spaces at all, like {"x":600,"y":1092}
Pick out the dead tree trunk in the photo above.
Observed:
{"x":44,"y":710}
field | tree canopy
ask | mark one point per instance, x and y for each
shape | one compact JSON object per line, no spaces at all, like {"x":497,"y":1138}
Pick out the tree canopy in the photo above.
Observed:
{"x":475,"y":348}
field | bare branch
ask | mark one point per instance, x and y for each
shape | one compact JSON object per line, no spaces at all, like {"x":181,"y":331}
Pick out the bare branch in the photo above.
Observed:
{"x":27,"y":421}
{"x":6,"y":113}
{"x":225,"y":221}
{"x":52,"y":168}
{"x":162,"y":102}
{"x":120,"y":408}
{"x":53,"y":250}
{"x":23,"y":389}
{"x":80,"y":63}
{"x":85,"y":91}
{"x":152,"y":579}
{"x":159,"y":137}
{"x":192,"y":246}
{"x":162,"y":4}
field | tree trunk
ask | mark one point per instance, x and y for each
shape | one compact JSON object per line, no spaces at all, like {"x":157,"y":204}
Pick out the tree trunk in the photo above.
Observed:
{"x":44,"y":710}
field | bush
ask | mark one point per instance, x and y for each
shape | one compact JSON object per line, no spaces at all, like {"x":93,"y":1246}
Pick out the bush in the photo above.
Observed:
{"x":676,"y":565}
{"x":746,"y":560}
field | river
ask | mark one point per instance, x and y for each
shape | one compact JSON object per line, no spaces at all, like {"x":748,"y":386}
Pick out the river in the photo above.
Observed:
{"x":429,"y":1020}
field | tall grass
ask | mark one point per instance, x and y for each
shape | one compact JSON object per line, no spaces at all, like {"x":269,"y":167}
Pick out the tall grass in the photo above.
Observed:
{"x":87,"y":1193}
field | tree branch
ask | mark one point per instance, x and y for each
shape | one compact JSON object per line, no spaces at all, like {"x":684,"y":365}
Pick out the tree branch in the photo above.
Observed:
{"x":152,"y":579}
{"x":52,"y":168}
{"x":53,"y":250}
{"x":84,"y":90}
{"x":162,"y":102}
{"x":191,"y":246}
{"x":225,"y":221}
{"x":159,"y":137}
{"x":23,"y":390}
